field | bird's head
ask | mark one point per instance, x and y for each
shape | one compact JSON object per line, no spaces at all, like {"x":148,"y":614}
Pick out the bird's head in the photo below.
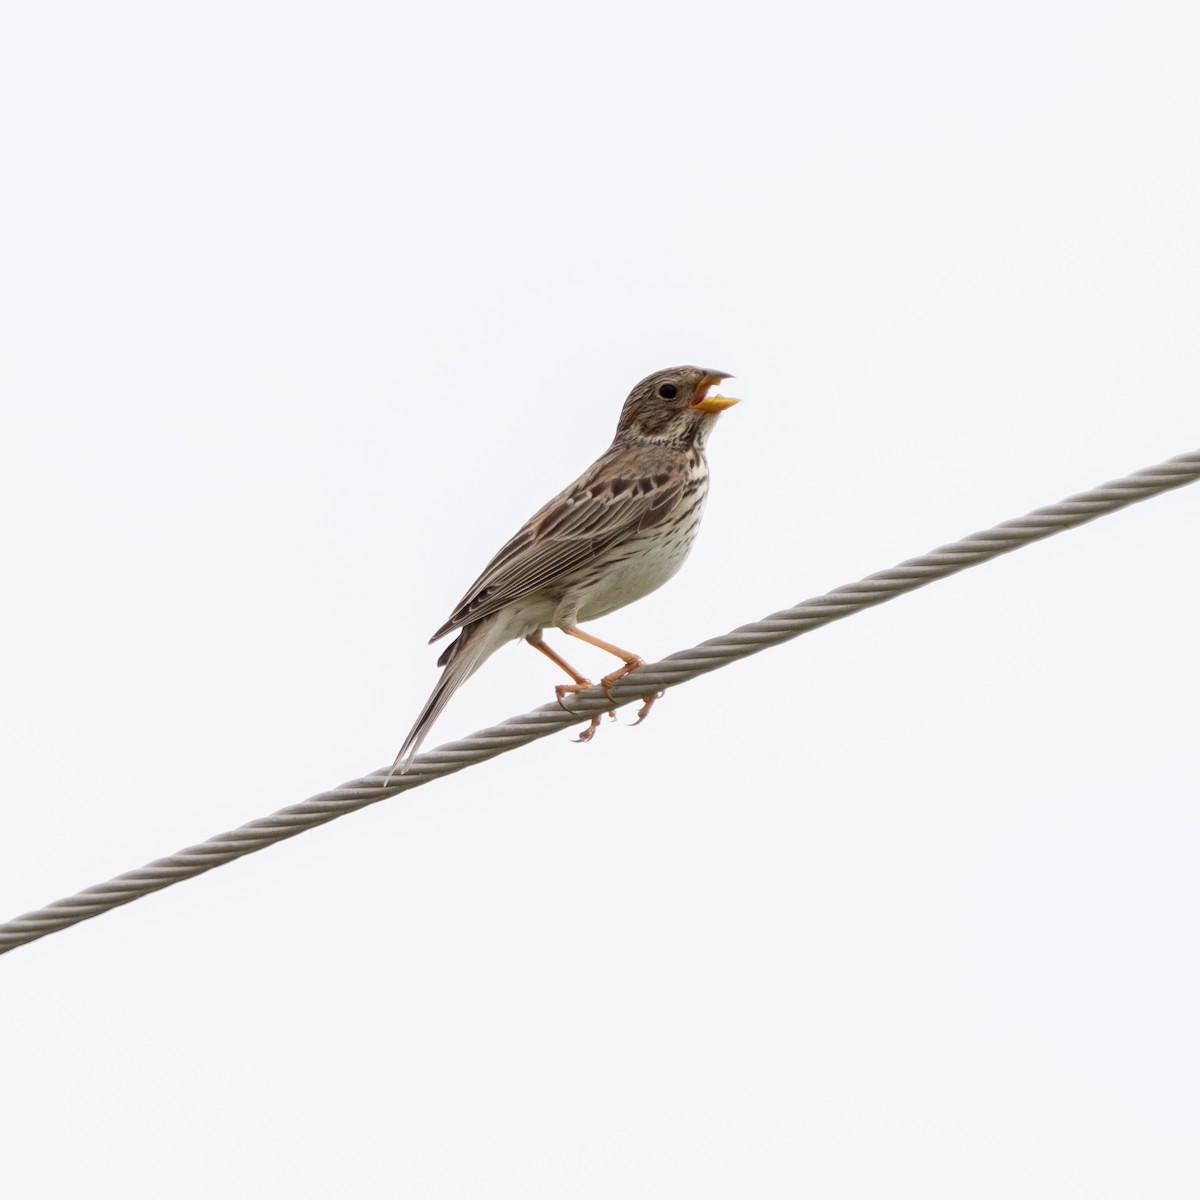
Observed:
{"x":675,"y":405}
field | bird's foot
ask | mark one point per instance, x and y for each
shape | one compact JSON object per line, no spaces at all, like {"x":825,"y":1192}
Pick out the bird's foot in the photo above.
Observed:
{"x":565,"y":689}
{"x":593,"y":725}
{"x":631,"y":664}
{"x":647,"y":705}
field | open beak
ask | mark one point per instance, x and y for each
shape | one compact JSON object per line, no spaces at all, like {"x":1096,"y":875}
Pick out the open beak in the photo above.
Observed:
{"x":714,"y":403}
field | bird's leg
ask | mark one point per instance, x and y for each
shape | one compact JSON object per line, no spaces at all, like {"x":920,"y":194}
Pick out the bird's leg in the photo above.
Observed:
{"x":581,"y":681}
{"x":631,"y":661}
{"x":565,"y":689}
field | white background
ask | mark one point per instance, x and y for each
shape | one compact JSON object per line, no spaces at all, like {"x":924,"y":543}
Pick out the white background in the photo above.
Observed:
{"x":306,"y":307}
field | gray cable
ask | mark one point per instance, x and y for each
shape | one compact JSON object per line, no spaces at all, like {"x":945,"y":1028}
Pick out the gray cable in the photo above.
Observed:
{"x":550,"y":718}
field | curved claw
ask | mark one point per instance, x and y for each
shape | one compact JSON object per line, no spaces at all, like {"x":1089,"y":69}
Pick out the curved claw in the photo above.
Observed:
{"x":565,"y":689}
{"x":644,"y":711}
{"x":586,"y":735}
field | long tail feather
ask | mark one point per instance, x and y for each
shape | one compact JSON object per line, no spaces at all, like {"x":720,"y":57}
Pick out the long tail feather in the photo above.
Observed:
{"x":460,"y":660}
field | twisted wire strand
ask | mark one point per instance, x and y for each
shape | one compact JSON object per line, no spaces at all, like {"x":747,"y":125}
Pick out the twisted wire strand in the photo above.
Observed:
{"x":550,"y":718}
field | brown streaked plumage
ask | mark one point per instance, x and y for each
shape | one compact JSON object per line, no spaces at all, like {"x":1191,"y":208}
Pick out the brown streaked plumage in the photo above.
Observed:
{"x":622,"y":529}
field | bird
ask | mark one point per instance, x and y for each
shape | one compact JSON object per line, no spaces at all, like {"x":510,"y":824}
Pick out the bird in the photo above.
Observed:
{"x":620,"y":531}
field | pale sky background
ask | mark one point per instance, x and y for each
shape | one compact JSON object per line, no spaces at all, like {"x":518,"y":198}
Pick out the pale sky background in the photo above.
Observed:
{"x":306,"y":307}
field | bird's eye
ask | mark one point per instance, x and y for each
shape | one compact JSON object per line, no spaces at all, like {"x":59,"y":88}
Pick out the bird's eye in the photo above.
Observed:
{"x":668,"y":391}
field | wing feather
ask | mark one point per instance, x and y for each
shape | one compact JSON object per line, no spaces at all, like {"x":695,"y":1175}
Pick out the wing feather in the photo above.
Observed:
{"x":598,"y":511}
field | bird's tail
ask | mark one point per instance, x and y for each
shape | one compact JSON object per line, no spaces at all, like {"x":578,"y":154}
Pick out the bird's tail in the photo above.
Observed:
{"x":460,"y":660}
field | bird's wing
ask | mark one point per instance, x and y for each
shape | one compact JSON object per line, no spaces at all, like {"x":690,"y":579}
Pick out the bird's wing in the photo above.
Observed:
{"x":599,"y":510}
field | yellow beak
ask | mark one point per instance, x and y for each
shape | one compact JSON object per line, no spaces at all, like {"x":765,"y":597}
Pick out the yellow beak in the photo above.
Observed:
{"x":712,"y":404}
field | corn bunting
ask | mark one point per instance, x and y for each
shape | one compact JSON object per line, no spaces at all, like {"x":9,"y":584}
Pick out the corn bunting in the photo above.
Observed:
{"x":622,"y":529}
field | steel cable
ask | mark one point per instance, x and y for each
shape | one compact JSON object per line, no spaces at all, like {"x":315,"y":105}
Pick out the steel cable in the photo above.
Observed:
{"x":550,"y":718}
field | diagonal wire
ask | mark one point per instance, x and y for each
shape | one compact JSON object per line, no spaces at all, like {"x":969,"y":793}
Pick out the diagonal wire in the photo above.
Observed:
{"x":550,"y":718}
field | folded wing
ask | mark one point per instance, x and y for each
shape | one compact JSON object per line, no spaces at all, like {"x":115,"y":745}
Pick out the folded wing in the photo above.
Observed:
{"x":596,"y":513}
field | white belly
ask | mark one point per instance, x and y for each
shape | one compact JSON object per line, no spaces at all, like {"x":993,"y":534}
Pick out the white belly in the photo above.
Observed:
{"x":650,"y":562}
